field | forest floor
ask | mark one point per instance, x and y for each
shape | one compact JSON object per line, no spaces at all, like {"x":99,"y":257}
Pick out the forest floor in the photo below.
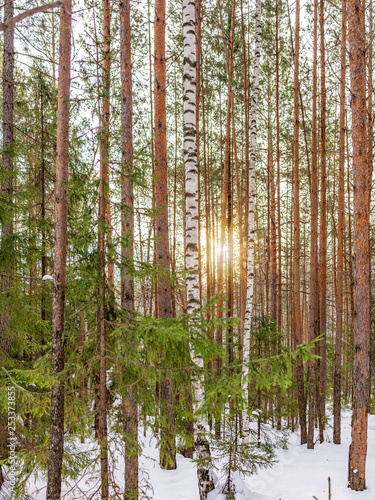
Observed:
{"x":299,"y":474}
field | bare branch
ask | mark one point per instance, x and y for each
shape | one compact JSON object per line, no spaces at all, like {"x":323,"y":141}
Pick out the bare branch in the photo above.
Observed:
{"x":30,"y":12}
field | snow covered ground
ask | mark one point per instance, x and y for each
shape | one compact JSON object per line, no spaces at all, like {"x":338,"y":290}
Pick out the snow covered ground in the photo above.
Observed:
{"x":299,"y":474}
{"x":302,"y":474}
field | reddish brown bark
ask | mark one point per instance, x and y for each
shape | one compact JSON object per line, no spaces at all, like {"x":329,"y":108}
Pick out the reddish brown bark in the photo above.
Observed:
{"x":7,"y":167}
{"x":229,"y":215}
{"x":102,"y":347}
{"x":279,"y":296}
{"x":161,"y":188}
{"x":361,"y":256}
{"x":104,"y":224}
{"x":279,"y":276}
{"x":43,"y":207}
{"x":225,"y":175}
{"x":154,"y":291}
{"x":298,"y":329}
{"x":240,"y":305}
{"x":323,"y":234}
{"x":104,"y":133}
{"x":273,"y":261}
{"x":340,"y":241}
{"x":6,"y":181}
{"x":130,"y":411}
{"x":167,"y":444}
{"x":230,"y":259}
{"x":61,"y":222}
{"x":127,"y":218}
{"x":208,"y":216}
{"x":313,"y":316}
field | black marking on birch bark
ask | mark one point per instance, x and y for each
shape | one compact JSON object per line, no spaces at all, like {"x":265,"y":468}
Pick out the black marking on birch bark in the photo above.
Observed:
{"x":190,"y":63}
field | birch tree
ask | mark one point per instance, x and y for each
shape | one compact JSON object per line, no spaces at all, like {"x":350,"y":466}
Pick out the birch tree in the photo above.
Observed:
{"x":250,"y":242}
{"x":205,"y":483}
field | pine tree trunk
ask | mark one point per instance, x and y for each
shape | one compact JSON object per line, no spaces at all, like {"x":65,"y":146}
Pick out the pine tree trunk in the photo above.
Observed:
{"x":43,"y":209}
{"x":103,"y":231}
{"x":251,"y":207}
{"x":153,"y":284}
{"x":279,"y":295}
{"x":272,"y":243}
{"x":61,"y":221}
{"x":208,"y":215}
{"x":370,"y":114}
{"x":164,"y":289}
{"x":361,"y":257}
{"x":340,"y":241}
{"x":323,"y":235}
{"x":224,"y":190}
{"x":104,"y":133}
{"x":313,"y":316}
{"x":240,"y":306}
{"x":298,"y":329}
{"x":6,"y":182}
{"x":229,"y":215}
{"x":102,"y":416}
{"x":7,"y":166}
{"x":130,"y":410}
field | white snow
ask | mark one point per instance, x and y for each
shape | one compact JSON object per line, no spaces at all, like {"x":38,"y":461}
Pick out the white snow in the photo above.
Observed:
{"x":300,"y":474}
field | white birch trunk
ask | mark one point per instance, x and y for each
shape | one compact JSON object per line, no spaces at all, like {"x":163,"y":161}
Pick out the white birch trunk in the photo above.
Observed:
{"x":205,"y":483}
{"x":250,"y":243}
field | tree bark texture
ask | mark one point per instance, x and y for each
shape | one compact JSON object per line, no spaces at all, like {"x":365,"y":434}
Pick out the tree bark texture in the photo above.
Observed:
{"x":340,"y":241}
{"x":298,"y":328}
{"x":103,"y":232}
{"x":164,"y":289}
{"x":313,"y":306}
{"x":104,"y":132}
{"x":272,"y":220}
{"x":7,"y":167}
{"x":361,"y":257}
{"x":279,"y":296}
{"x":192,"y":262}
{"x":251,"y":226}
{"x":61,"y":221}
{"x":10,"y":22}
{"x":323,"y":233}
{"x":243,"y":235}
{"x":130,"y":410}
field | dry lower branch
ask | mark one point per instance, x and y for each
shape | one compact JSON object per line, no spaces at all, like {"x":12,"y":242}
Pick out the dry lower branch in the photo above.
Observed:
{"x":27,"y":13}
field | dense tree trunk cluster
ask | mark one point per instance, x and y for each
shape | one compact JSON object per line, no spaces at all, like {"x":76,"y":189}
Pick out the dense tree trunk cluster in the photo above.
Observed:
{"x":208,"y":233}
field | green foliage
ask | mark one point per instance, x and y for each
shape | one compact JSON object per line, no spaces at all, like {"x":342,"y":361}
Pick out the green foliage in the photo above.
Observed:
{"x":230,"y":456}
